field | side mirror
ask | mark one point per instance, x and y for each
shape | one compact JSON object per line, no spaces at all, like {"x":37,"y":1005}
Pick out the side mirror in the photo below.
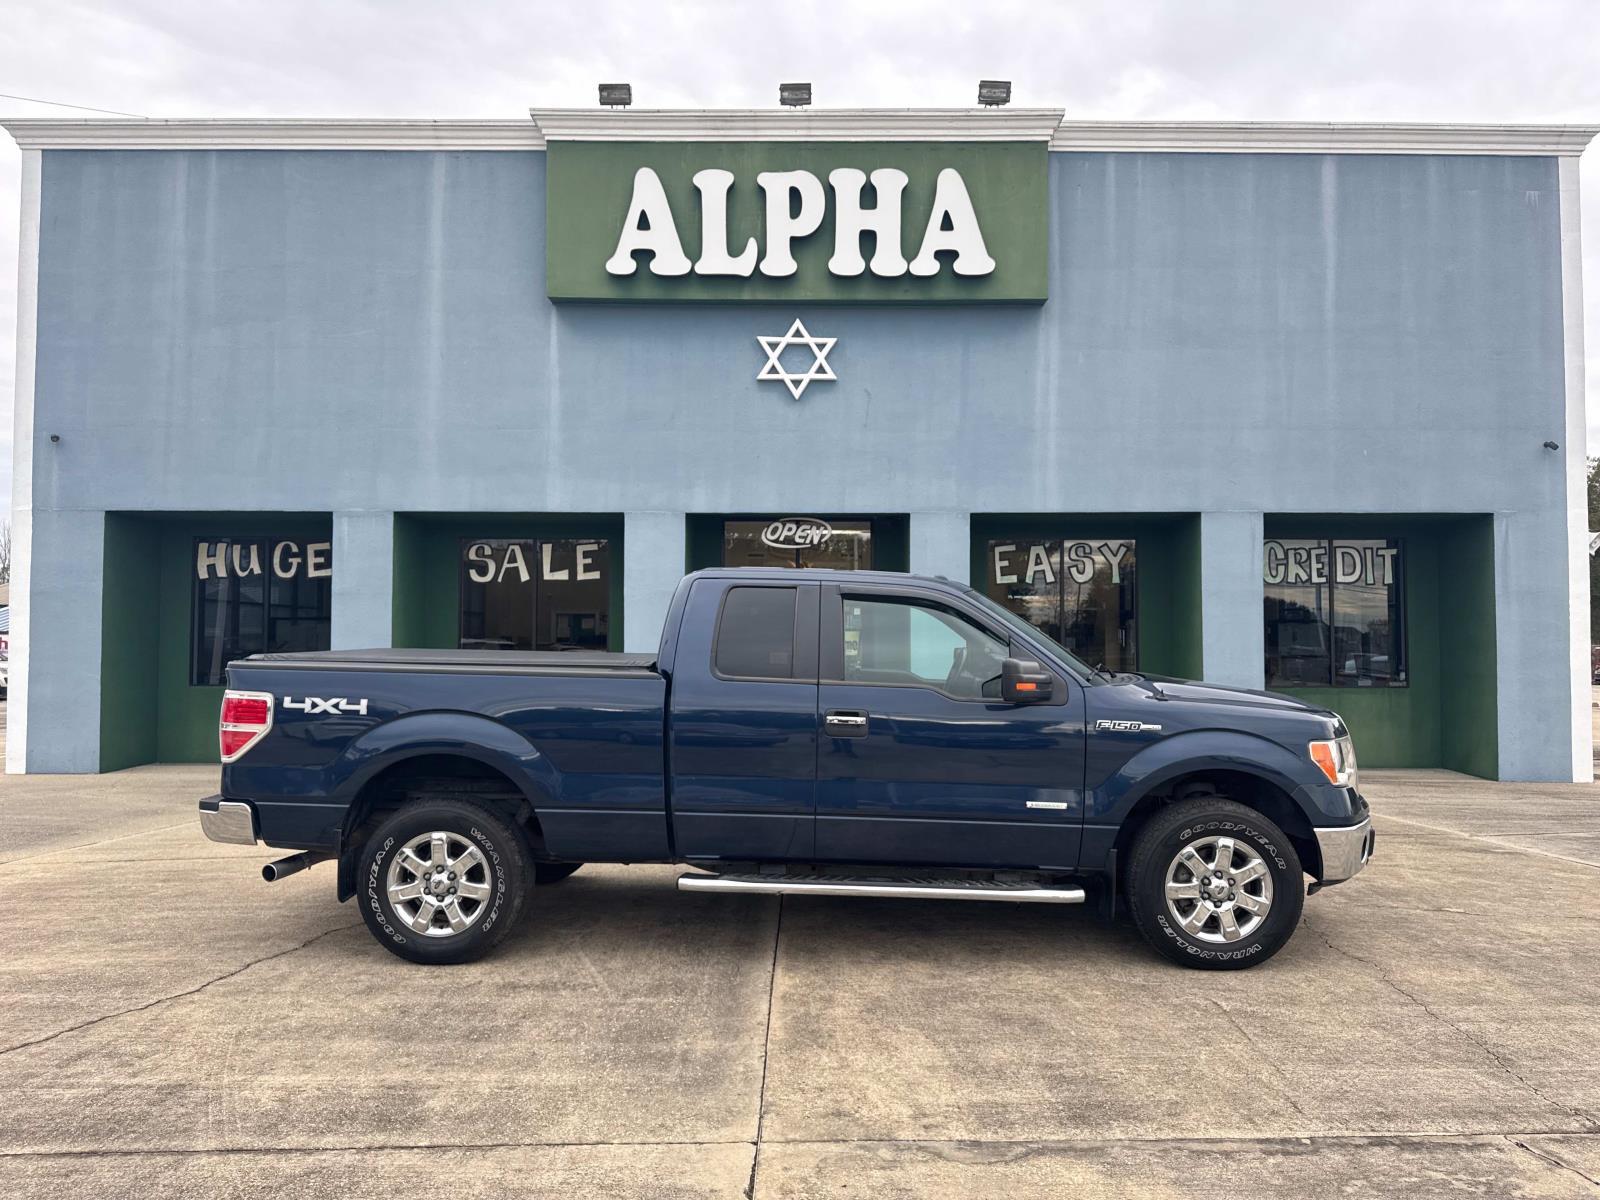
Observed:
{"x":1024,"y":682}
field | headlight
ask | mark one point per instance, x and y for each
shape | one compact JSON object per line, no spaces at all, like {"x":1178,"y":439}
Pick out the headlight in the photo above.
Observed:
{"x":1337,"y":759}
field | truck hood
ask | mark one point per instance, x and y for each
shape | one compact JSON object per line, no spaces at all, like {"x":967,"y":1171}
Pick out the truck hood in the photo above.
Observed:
{"x":1212,"y":693}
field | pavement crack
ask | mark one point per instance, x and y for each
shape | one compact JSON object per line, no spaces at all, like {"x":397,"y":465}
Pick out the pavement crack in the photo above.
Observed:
{"x":138,"y":1008}
{"x":766,"y":1057}
{"x":1288,"y":1084}
{"x":1554,"y":1161}
{"x":6,"y":862}
{"x":1487,"y":1048}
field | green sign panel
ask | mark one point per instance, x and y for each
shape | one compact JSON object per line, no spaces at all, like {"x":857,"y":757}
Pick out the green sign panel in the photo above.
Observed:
{"x":830,"y":222}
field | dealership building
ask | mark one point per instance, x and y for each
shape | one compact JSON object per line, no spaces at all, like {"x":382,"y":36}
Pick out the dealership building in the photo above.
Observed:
{"x":1277,"y":405}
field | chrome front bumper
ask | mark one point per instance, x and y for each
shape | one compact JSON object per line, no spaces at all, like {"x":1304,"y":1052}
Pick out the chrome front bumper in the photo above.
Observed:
{"x":1345,"y":851}
{"x":227,"y":821}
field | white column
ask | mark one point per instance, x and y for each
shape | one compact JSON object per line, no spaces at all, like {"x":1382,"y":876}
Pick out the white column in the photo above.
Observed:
{"x":941,"y":544}
{"x":18,"y":692}
{"x":363,"y":580}
{"x":653,"y":550}
{"x":1580,"y":747}
{"x":1233,"y":647}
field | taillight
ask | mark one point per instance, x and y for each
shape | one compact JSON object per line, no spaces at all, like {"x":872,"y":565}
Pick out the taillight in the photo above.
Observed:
{"x":246,"y":717}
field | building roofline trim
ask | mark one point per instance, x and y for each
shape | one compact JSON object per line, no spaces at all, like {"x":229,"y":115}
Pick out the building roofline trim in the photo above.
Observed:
{"x":54,"y":133}
{"x":1276,"y":137}
{"x":967,"y":125}
{"x":798,"y":125}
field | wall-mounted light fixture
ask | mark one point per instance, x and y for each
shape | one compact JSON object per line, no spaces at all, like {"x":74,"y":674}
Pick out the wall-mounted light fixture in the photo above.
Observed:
{"x":616,"y":95}
{"x":794,"y":95}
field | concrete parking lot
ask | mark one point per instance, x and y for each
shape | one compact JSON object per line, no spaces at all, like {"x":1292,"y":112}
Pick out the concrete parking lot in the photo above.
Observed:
{"x":172,"y":1026}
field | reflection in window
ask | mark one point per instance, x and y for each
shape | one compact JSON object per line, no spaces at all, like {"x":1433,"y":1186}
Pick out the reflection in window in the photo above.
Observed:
{"x":535,"y":594}
{"x":255,"y":596}
{"x":1084,"y":594}
{"x":1333,"y":613}
{"x":899,"y":642}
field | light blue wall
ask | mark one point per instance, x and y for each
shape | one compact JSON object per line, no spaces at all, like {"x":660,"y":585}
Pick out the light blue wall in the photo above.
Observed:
{"x":366,"y":332}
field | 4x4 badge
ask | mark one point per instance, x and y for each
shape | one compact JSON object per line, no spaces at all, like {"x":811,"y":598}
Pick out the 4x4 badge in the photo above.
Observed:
{"x":313,"y":705}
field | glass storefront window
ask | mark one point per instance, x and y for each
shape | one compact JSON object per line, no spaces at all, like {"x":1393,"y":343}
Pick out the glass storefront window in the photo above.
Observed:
{"x":1333,"y":613}
{"x":256,"y":596}
{"x":1083,"y":593}
{"x":797,"y":542}
{"x":535,"y":594}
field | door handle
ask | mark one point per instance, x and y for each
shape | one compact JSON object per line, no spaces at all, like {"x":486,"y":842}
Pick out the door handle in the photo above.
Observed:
{"x":845,"y":723}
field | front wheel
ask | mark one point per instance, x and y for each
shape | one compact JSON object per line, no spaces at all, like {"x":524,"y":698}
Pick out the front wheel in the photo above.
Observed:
{"x":443,"y":881}
{"x":1214,"y":885}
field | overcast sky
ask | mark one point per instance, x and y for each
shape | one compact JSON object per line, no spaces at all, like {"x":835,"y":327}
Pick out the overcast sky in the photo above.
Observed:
{"x":1357,"y":60}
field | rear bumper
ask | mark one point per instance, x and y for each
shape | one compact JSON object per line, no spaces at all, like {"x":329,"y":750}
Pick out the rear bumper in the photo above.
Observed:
{"x":1345,"y":851}
{"x":230,"y":821}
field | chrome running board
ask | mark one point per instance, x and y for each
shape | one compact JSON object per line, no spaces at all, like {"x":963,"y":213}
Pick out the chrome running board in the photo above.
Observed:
{"x":905,"y":889}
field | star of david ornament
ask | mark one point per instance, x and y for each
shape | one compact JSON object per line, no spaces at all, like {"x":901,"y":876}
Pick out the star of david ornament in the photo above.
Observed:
{"x":796,"y":382}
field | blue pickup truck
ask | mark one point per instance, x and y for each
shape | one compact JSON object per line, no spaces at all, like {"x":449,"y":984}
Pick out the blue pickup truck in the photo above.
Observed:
{"x":800,"y":732}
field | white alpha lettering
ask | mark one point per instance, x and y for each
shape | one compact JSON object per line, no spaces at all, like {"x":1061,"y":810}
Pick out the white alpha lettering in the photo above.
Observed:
{"x":514,"y":557}
{"x":286,"y":567}
{"x":319,"y":560}
{"x":1115,"y":552}
{"x":209,"y":555}
{"x":1039,"y":564}
{"x":1002,"y":566}
{"x":1387,"y":555}
{"x":480,"y":562}
{"x":1347,"y":564}
{"x":1274,"y":565}
{"x":714,"y":258}
{"x":550,"y":572}
{"x":660,"y":235}
{"x":1078,"y":560}
{"x":785,"y":225}
{"x":850,"y":221}
{"x":951,"y":203}
{"x":249,"y":566}
{"x":586,"y":569}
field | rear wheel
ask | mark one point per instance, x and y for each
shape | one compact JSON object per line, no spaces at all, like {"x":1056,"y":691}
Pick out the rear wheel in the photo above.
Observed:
{"x":443,"y":881}
{"x":1214,"y":885}
{"x":553,"y":872}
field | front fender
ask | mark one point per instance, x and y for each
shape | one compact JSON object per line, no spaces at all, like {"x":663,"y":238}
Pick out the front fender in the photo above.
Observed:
{"x":461,"y":734}
{"x":1204,"y":750}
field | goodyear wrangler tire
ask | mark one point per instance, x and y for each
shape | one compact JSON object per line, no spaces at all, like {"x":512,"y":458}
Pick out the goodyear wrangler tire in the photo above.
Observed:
{"x":443,"y":881}
{"x":1214,"y":885}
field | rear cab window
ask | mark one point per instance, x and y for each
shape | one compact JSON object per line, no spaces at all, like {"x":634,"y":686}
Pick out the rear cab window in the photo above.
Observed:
{"x":756,"y":634}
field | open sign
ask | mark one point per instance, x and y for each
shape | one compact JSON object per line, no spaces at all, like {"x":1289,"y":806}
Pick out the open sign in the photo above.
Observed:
{"x":797,"y":533}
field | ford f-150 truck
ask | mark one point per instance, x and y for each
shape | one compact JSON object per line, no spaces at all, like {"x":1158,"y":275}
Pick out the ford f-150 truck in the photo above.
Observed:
{"x":803,"y":732}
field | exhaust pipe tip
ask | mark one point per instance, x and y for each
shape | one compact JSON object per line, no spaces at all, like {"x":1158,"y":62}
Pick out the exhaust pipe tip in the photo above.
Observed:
{"x":292,"y":865}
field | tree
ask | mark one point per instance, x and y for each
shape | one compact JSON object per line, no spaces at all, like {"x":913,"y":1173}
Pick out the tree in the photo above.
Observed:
{"x":5,"y":540}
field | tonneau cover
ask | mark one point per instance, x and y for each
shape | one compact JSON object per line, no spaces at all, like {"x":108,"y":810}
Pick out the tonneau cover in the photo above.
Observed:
{"x":434,"y":660}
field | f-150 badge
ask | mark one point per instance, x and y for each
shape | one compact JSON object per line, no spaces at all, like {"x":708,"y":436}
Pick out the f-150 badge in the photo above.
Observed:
{"x":1125,"y":727}
{"x":313,"y":705}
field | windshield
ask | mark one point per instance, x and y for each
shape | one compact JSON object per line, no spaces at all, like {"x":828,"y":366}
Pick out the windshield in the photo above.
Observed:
{"x":1032,"y":631}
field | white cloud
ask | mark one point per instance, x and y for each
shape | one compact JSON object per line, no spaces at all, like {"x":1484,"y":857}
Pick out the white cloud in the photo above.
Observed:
{"x":1517,"y":60}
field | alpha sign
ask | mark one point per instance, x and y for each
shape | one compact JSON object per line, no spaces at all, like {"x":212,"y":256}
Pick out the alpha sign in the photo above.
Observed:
{"x":794,"y":203}
{"x":863,"y":222}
